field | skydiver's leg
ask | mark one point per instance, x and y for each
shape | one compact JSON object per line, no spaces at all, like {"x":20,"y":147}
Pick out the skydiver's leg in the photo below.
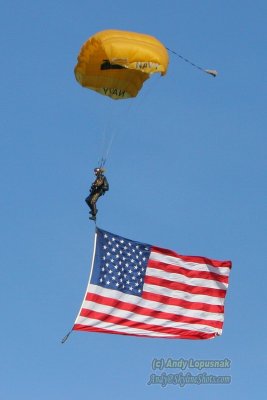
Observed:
{"x":92,"y":203}
{"x":88,"y":200}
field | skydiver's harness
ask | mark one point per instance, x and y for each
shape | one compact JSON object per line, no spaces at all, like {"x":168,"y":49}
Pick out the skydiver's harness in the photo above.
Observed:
{"x":100,"y":185}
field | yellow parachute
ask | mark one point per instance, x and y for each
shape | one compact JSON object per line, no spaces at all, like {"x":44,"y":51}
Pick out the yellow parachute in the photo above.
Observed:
{"x":117,"y":63}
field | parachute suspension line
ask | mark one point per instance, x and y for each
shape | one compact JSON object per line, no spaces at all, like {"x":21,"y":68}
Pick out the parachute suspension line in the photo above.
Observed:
{"x":147,"y":91}
{"x":104,"y":159}
{"x":114,"y":133}
{"x":101,"y":162}
{"x":105,"y":142}
{"x":211,"y":72}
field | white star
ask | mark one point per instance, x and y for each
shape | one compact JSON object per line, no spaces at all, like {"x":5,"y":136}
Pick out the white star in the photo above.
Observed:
{"x":130,"y":288}
{"x":108,"y":282}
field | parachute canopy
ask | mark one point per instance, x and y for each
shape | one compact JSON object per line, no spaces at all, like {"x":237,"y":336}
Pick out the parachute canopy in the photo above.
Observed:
{"x":116,"y":63}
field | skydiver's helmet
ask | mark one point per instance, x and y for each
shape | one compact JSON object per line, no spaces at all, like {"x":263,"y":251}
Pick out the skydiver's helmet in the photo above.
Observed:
{"x":99,"y":171}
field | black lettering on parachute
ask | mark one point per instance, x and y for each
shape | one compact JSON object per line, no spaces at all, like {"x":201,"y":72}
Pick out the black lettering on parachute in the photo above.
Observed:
{"x":114,"y":92}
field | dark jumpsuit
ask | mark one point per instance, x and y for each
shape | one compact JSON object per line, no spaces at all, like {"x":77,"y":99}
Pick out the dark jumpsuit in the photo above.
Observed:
{"x":98,"y":188}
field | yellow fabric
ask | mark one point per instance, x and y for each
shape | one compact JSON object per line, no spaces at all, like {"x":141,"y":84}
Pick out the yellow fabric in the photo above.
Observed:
{"x":137,"y":54}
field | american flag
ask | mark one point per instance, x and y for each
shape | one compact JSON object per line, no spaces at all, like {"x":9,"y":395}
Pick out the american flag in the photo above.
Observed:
{"x":142,"y":290}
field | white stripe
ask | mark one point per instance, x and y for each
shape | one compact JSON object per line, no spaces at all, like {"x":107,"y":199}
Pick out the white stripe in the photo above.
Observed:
{"x":119,"y":328}
{"x":179,"y":294}
{"x":154,"y":305}
{"x":190,"y":265}
{"x":144,"y":319}
{"x":176,"y":277}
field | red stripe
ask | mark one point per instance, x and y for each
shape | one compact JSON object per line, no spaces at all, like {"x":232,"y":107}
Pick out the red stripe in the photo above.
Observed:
{"x":176,"y":269}
{"x":136,"y":309}
{"x":183,"y":303}
{"x":133,"y":324}
{"x":192,"y":336}
{"x":184,"y":287}
{"x":195,"y":259}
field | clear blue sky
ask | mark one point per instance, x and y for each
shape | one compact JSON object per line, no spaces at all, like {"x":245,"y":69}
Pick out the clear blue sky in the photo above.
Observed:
{"x":187,"y":171}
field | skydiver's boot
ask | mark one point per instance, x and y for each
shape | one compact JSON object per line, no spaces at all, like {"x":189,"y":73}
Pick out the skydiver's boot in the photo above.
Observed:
{"x":93,"y":216}
{"x":93,"y":210}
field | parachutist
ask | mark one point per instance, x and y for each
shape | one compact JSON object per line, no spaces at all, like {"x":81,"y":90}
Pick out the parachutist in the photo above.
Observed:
{"x":98,"y":188}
